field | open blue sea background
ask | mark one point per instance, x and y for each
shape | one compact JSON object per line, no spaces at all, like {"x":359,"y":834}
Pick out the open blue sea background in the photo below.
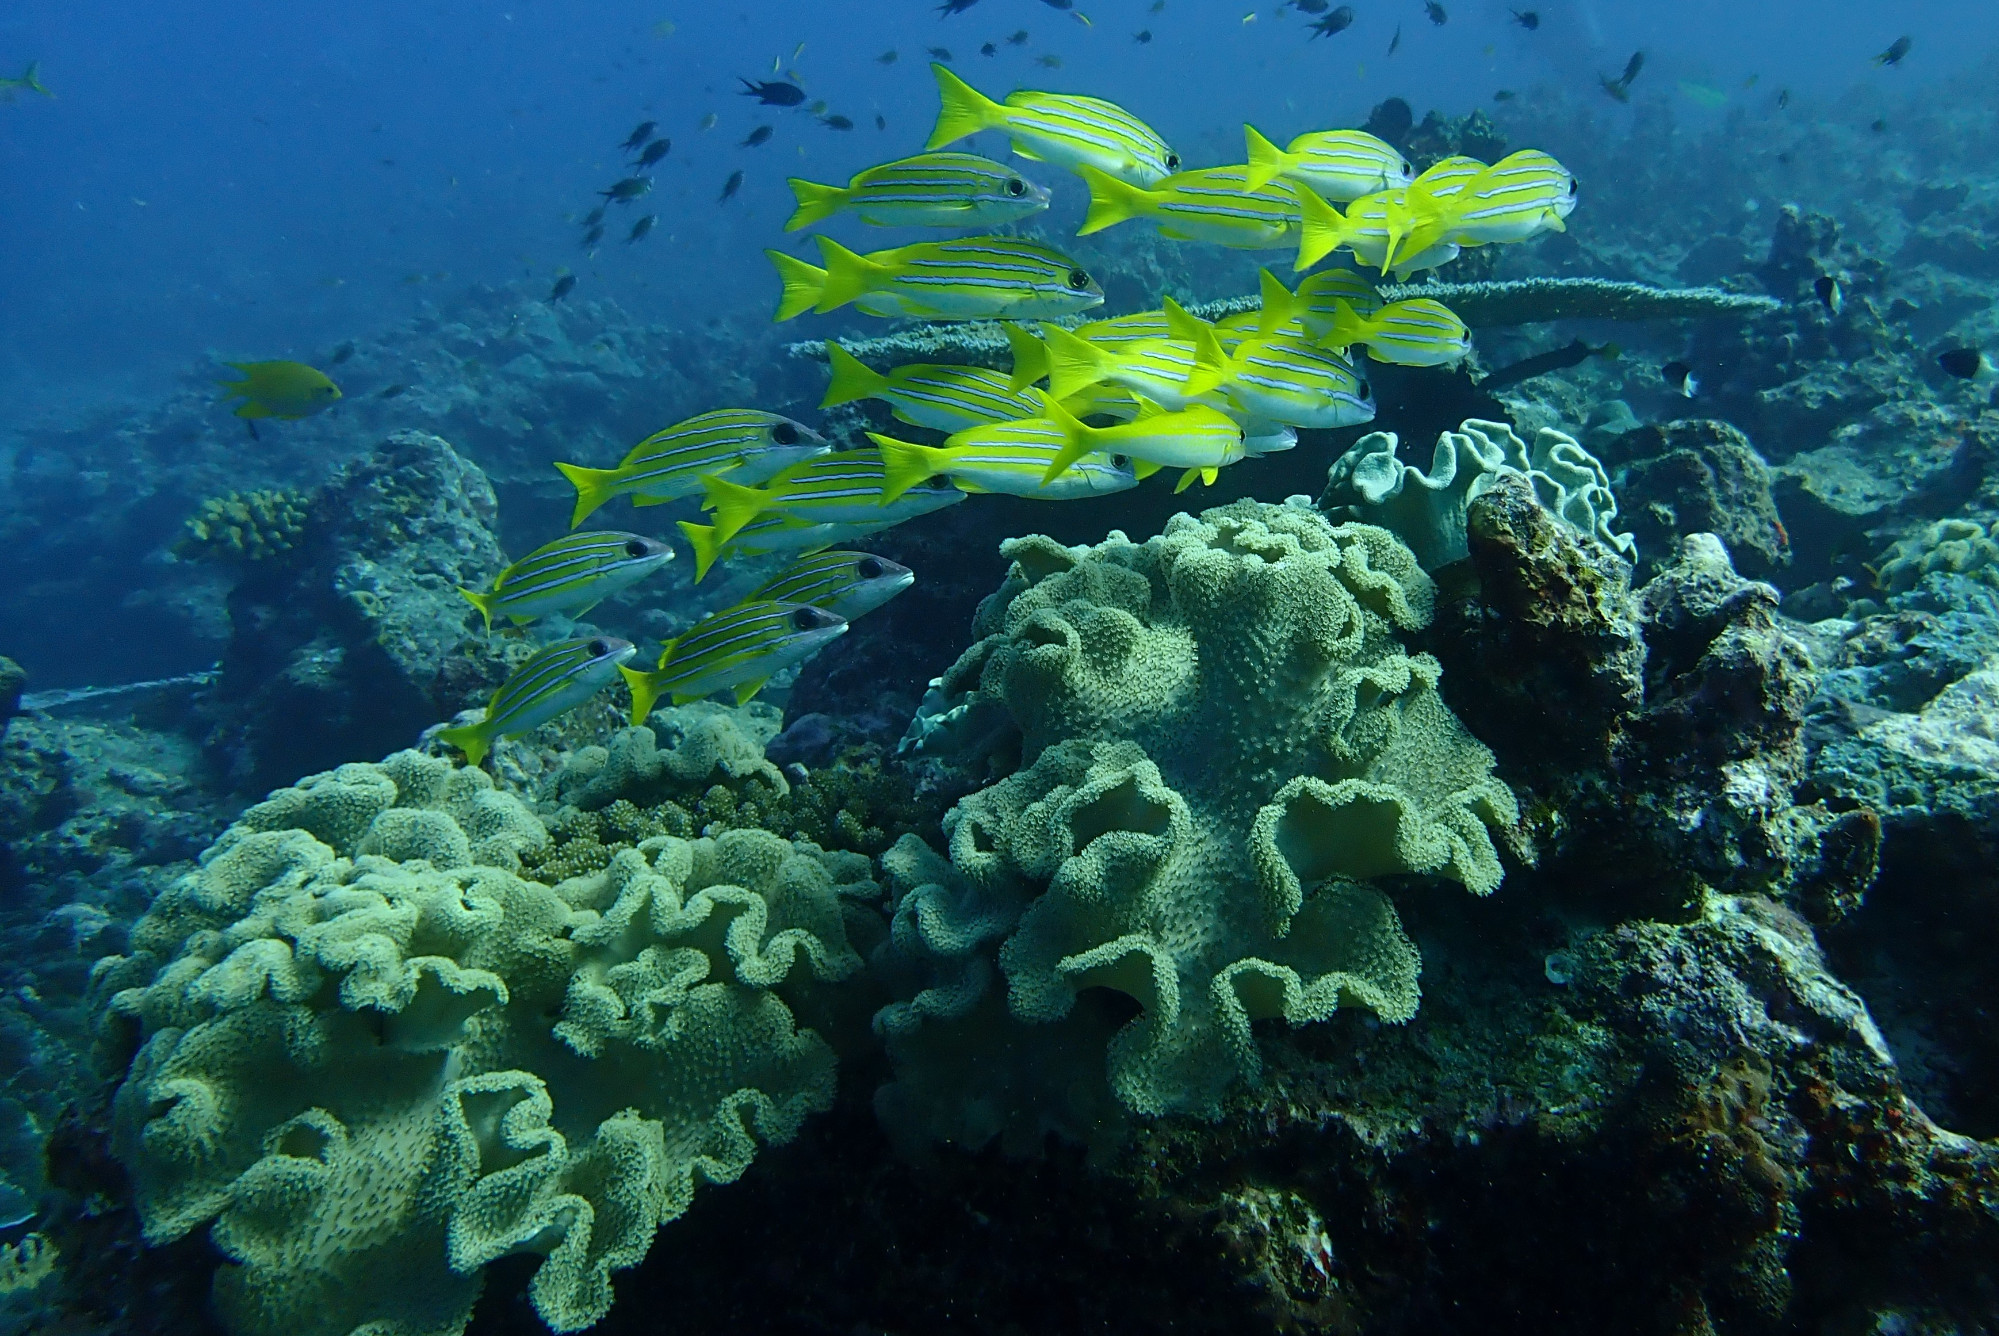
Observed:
{"x":253,"y":181}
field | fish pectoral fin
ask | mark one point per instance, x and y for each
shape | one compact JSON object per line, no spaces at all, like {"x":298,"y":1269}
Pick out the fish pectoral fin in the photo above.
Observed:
{"x":687,"y":697}
{"x":746,"y":691}
{"x":580,"y":613}
{"x":1143,"y":468}
{"x":1029,"y":154}
{"x":519,"y":620}
{"x":253,"y":409}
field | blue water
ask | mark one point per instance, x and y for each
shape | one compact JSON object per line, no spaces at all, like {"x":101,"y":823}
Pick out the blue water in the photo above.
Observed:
{"x":262,"y":180}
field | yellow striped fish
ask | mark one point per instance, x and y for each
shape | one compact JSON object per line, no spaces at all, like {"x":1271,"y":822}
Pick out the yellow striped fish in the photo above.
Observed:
{"x":844,"y":488}
{"x":1063,"y":128}
{"x":1199,"y":439}
{"x":942,"y":398}
{"x":846,"y":584}
{"x":767,"y":533}
{"x":1371,"y":226}
{"x":748,"y":444}
{"x":1340,"y":164}
{"x":738,"y":647}
{"x":573,"y":574}
{"x":1416,"y":332}
{"x":1310,"y":309}
{"x":1012,"y":458}
{"x":553,"y":681}
{"x":1210,"y":204}
{"x":972,"y":278}
{"x":1030,"y":354}
{"x":1519,"y":197}
{"x":928,"y":190}
{"x":1289,"y":380}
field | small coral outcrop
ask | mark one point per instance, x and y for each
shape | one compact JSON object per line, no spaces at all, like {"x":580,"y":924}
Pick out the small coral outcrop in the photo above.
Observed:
{"x":246,"y":526}
{"x":1225,"y":740}
{"x":372,"y":1058}
{"x":1426,"y":510}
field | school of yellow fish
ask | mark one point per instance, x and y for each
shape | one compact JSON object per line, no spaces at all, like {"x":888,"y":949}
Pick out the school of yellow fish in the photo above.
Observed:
{"x":1168,"y":390}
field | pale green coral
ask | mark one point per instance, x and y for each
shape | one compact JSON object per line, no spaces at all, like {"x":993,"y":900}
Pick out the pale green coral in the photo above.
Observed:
{"x":1957,"y":547}
{"x":1427,"y":510}
{"x":1225,"y":737}
{"x":685,"y":745}
{"x":376,"y":1061}
{"x":246,"y":526}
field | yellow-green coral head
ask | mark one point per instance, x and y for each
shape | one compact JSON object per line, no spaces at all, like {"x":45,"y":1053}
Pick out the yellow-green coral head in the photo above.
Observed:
{"x":288,"y":390}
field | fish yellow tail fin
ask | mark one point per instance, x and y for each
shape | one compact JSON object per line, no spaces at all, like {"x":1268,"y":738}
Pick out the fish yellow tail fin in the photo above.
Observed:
{"x":483,"y":602}
{"x":470,"y":739}
{"x":1322,"y":230}
{"x":1267,"y":162}
{"x":803,"y":285}
{"x":905,"y":464}
{"x":1078,"y":440}
{"x":593,"y":488}
{"x":1030,"y":355}
{"x":1207,"y":477}
{"x":847,"y":275}
{"x":644,"y":693}
{"x":816,"y":203}
{"x":966,"y":110}
{"x":1349,"y":327}
{"x":1074,"y":364}
{"x":1111,"y":201}
{"x":1279,"y":304}
{"x":707,"y":542}
{"x":851,"y":379}
{"x":734,"y":504}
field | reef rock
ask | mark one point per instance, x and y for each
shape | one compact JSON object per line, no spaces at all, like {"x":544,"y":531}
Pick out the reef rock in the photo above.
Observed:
{"x":359,"y":639}
{"x":1700,"y":476}
{"x":1224,"y":740}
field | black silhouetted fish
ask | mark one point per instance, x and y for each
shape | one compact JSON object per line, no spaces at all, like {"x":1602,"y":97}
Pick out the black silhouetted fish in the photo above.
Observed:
{"x":837,"y":123}
{"x":1018,"y":39}
{"x":774,"y":92}
{"x":756,"y":136}
{"x":627,"y":190}
{"x":592,"y":237}
{"x":1142,"y":36}
{"x":641,"y":227}
{"x":1893,"y":55}
{"x":731,"y":186}
{"x":1826,"y":288}
{"x":940,"y":52}
{"x":950,"y":7}
{"x":639,"y":135}
{"x":1964,"y":363}
{"x":1395,"y":42}
{"x":1540,"y":364}
{"x":656,"y":150}
{"x":1679,"y":378}
{"x":1530,"y":19}
{"x":1338,"y":21}
{"x":563,"y":287}
{"x":1436,"y":12}
{"x":886,"y":58}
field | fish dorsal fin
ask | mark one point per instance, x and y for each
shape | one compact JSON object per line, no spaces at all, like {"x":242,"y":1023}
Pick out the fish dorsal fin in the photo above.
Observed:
{"x":1147,"y":409}
{"x":1184,"y":324}
{"x":1276,"y":301}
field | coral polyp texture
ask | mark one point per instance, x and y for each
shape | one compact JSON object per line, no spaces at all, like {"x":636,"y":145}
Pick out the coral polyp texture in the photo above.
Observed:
{"x":374,"y":1059}
{"x":1228,"y":756}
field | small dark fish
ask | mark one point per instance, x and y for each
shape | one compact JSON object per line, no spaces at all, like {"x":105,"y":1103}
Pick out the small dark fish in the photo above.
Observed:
{"x":592,"y":237}
{"x":1436,"y":12}
{"x":1142,"y":37}
{"x":1893,"y":55}
{"x":394,"y":392}
{"x":1018,"y":39}
{"x":1964,"y":363}
{"x":1540,"y":364}
{"x":950,"y":7}
{"x":988,"y":49}
{"x":1310,"y":6}
{"x":1157,"y":6}
{"x":881,"y":121}
{"x":1059,"y":4}
{"x":939,"y":52}
{"x":1880,"y":126}
{"x":641,"y":227}
{"x":1530,"y":19}
{"x":887,"y":58}
{"x":1783,"y":98}
{"x":1679,"y":378}
{"x":1631,"y":68}
{"x":563,"y":287}
{"x":1829,"y":293}
{"x":255,"y":435}
{"x":1395,"y":42}
{"x":731,"y":186}
{"x":837,"y":123}
{"x":594,"y":217}
{"x":1504,"y":95}
{"x":1053,"y":62}
{"x":656,"y":150}
{"x":774,"y":92}
{"x":627,"y":190}
{"x":340,"y":354}
{"x":1338,"y":21}
{"x":640,"y":135}
{"x":756,"y":136}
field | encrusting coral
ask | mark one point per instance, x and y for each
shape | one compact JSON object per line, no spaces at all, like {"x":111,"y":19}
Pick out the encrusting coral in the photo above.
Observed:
{"x":1427,"y":510}
{"x":378,"y":1059}
{"x":1224,"y":740}
{"x":246,"y":526}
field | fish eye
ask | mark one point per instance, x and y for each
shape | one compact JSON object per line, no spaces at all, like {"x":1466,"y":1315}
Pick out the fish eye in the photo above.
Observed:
{"x":784,"y":434}
{"x":637,"y":548}
{"x":1172,"y":162}
{"x":598,"y":648}
{"x":1407,"y":170}
{"x":1016,"y":187}
{"x":1365,"y":392}
{"x":807,"y":619}
{"x":1079,"y":279}
{"x":1574,"y":185}
{"x":869,"y":568}
{"x":1120,"y":461}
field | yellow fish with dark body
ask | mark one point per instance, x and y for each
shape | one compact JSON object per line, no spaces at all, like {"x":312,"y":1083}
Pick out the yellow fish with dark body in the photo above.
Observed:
{"x":288,"y":390}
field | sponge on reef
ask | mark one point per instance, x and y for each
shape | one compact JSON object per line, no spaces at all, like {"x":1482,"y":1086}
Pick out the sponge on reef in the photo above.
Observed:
{"x":1225,"y":740}
{"x":375,"y":1058}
